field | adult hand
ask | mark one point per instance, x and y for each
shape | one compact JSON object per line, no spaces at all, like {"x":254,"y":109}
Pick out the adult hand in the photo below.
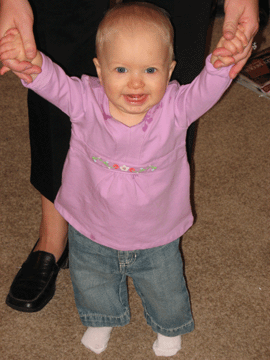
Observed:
{"x":246,"y":14}
{"x":11,"y":47}
{"x":18,"y":14}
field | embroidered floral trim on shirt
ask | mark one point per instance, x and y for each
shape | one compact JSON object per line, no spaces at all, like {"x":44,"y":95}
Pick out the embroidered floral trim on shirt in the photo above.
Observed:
{"x":125,"y":168}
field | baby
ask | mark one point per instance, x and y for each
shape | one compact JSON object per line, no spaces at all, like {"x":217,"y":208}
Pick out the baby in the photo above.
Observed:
{"x":125,"y":183}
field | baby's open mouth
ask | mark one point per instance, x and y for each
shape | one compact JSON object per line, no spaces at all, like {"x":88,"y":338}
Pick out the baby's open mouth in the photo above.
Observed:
{"x":136,"y":98}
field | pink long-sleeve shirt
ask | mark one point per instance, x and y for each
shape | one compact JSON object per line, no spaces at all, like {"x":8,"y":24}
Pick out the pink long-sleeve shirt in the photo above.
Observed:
{"x":128,"y":187}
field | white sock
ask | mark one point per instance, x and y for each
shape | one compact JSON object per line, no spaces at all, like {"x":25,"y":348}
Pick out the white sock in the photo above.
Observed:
{"x":96,"y":338}
{"x":167,"y":346}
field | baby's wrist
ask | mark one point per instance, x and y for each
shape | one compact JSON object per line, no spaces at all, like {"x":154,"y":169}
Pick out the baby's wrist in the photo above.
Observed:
{"x":37,"y":60}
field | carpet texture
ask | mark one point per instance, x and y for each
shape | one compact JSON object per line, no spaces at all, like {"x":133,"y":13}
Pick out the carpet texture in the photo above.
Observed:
{"x":226,"y":252}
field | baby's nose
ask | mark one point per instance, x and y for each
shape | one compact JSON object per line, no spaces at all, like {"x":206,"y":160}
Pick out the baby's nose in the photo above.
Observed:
{"x":136,"y":82}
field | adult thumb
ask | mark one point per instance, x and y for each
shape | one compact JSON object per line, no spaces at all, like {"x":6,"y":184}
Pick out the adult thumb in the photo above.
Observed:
{"x":230,"y":23}
{"x":28,"y":40}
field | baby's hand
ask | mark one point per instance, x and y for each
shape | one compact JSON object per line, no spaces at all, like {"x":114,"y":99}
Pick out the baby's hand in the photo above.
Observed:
{"x":11,"y":49}
{"x":230,"y":49}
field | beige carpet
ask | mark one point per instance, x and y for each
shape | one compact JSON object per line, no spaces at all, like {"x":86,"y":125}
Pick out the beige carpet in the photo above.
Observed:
{"x":226,"y":252}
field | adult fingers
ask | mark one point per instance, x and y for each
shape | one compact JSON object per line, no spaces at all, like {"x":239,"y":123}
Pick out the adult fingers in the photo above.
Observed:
{"x":239,"y":66}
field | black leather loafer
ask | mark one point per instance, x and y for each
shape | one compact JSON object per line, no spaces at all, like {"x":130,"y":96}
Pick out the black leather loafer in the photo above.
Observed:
{"x":34,"y":285}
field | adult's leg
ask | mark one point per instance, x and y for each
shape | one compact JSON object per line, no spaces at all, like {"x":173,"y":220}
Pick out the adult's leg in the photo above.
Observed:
{"x":53,"y":230}
{"x":65,"y":30}
{"x":49,"y":139}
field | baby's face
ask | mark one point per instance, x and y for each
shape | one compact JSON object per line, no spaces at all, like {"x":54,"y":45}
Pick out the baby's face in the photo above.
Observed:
{"x":134,"y":69}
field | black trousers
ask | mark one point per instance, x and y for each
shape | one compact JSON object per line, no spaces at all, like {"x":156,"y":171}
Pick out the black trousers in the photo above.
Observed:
{"x":65,"y":30}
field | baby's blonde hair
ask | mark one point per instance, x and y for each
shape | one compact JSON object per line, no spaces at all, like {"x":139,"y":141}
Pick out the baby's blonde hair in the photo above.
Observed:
{"x":133,"y":15}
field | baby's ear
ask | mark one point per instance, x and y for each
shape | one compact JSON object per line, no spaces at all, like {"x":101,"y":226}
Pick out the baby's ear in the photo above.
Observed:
{"x":172,"y":66}
{"x":98,"y":69}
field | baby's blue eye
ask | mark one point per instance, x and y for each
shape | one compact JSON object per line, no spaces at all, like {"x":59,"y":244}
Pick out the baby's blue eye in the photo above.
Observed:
{"x":121,"y":70}
{"x":150,"y":70}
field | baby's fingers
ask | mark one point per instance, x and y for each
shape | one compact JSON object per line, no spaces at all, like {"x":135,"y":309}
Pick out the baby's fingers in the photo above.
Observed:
{"x":16,"y":65}
{"x":224,"y":61}
{"x":3,"y":70}
{"x":6,"y":45}
{"x":8,"y":50}
{"x":221,"y":51}
{"x":241,"y":36}
{"x":7,"y":39}
{"x":27,"y":78}
{"x":235,"y":46}
{"x":11,"y":53}
{"x":12,"y":31}
{"x":33,"y":70}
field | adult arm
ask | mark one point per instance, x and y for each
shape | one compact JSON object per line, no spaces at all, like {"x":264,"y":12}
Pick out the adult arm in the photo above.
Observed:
{"x":18,"y":14}
{"x":246,"y":14}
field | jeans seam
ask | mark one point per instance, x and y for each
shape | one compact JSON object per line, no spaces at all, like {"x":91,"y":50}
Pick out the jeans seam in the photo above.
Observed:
{"x":99,"y":316}
{"x":152,"y":322}
{"x":106,"y":320}
{"x":125,"y":264}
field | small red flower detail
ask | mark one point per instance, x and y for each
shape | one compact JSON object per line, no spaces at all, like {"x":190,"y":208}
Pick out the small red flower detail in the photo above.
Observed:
{"x":132,"y":170}
{"x":115,"y":166}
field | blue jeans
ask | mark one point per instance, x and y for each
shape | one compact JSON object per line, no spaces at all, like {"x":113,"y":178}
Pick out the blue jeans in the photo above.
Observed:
{"x":99,"y":278}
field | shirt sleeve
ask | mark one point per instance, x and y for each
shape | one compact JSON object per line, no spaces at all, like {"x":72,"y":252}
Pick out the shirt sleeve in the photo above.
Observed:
{"x":59,"y":89}
{"x":203,"y":93}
